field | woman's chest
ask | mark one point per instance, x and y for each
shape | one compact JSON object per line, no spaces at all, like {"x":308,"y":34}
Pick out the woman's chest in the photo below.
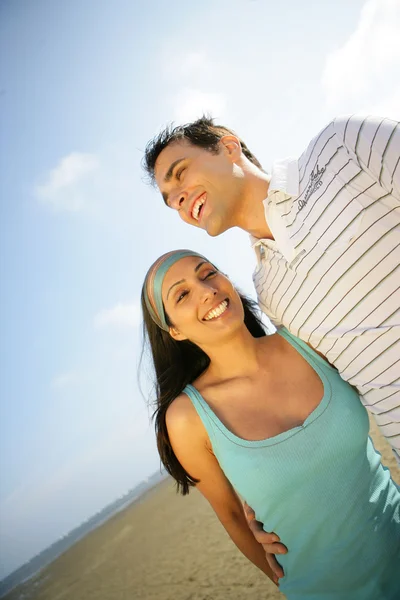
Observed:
{"x":264,"y":407}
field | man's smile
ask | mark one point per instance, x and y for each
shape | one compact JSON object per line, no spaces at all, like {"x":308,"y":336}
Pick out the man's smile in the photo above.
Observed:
{"x":197,"y":206}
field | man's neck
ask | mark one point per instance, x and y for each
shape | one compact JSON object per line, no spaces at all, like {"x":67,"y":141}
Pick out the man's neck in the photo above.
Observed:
{"x":252,"y":215}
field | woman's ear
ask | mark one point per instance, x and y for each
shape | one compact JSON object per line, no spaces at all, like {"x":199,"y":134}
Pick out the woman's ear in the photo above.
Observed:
{"x":176,"y":335}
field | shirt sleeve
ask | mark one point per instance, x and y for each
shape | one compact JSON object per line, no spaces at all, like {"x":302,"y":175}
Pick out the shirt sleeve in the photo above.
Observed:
{"x":374,"y":143}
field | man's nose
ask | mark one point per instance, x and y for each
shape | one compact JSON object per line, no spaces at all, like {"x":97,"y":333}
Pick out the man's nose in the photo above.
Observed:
{"x":178,"y":200}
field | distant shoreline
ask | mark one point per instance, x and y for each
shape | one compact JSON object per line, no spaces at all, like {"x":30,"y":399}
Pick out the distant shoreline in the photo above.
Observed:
{"x":28,"y":571}
{"x":159,"y":546}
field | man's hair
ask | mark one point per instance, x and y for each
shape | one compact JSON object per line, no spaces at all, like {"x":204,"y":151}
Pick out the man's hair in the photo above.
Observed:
{"x":202,"y":132}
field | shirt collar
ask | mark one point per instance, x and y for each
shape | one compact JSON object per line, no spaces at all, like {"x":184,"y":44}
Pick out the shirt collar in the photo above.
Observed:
{"x":284,"y":178}
{"x":284,"y":183}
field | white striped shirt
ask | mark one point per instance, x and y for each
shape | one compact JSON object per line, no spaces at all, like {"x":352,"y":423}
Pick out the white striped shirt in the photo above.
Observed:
{"x":332,"y":276}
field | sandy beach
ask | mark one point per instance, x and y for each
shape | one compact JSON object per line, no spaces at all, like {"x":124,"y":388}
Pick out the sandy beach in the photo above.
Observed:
{"x":163,"y":547}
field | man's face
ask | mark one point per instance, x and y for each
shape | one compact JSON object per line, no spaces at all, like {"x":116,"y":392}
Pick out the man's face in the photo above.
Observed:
{"x":205,"y":188}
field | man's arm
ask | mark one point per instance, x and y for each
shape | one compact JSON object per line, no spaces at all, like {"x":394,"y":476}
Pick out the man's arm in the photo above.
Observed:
{"x":374,"y":143}
{"x":268,"y":540}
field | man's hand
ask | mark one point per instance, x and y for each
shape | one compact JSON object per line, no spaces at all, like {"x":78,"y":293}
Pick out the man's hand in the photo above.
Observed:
{"x":269,"y":541}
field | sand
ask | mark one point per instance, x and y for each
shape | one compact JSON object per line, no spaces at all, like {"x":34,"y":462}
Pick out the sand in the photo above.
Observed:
{"x":164,"y":547}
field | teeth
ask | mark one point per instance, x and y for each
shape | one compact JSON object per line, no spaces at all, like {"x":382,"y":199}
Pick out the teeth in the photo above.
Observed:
{"x":196,"y":208}
{"x":216,"y":312}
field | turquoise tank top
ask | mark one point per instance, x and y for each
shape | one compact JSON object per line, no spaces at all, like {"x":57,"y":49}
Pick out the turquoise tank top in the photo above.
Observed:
{"x":322,"y":488}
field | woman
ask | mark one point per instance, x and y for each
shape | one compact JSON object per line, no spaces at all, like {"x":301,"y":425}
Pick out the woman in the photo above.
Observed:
{"x":265,"y":417}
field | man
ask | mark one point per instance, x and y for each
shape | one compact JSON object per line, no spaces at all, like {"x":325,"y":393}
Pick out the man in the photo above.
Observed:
{"x":326,"y":233}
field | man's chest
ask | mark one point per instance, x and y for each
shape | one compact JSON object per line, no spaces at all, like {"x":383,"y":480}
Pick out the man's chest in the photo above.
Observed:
{"x":335,"y":259}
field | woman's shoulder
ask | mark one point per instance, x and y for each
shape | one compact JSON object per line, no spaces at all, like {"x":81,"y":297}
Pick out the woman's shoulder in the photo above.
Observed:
{"x":181,"y":416}
{"x":184,"y":426}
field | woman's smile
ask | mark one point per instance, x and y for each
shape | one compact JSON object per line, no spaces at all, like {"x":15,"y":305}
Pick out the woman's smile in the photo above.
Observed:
{"x":217,"y":311}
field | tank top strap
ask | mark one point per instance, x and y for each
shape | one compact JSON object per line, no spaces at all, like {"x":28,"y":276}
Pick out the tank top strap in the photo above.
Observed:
{"x":304,"y":349}
{"x":205,"y":413}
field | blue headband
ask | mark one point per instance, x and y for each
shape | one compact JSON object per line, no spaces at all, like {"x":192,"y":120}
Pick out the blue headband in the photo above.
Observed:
{"x":153,"y":284}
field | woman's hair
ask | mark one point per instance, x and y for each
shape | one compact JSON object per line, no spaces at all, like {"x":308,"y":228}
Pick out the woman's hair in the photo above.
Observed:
{"x":177,"y":363}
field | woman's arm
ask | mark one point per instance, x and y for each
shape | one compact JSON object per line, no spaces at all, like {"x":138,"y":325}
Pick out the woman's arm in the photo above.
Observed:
{"x":192,"y":448}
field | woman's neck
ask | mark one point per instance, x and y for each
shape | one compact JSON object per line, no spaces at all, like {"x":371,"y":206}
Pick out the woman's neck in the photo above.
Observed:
{"x":237,"y":356}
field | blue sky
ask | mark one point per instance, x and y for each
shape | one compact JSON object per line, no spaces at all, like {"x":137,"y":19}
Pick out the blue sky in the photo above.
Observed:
{"x":83,"y":86}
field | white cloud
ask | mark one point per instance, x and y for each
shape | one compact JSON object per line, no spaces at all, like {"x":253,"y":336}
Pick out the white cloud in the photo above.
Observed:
{"x":193,"y":76}
{"x":190,"y":66}
{"x":191,"y":103}
{"x":121,"y":315}
{"x":388,"y":105}
{"x":363,"y":74}
{"x":64,"y":186}
{"x":193,"y":63}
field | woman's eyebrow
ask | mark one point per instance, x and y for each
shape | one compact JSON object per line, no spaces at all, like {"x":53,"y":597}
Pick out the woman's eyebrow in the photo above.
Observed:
{"x":173,"y":285}
{"x":203,"y":262}
{"x":197,"y":267}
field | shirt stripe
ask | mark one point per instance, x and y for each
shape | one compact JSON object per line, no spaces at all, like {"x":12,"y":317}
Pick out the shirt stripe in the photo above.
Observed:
{"x":333,"y":279}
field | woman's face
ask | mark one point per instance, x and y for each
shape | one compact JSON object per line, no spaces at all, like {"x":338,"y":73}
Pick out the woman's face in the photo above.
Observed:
{"x":201,"y":302}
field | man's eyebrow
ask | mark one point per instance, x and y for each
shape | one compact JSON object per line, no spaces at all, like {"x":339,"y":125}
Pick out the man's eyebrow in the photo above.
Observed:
{"x":168,"y":177}
{"x":203,"y":262}
{"x":172,"y":166}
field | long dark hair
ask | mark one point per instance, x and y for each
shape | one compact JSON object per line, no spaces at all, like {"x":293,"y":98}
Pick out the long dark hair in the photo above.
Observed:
{"x":176,"y":364}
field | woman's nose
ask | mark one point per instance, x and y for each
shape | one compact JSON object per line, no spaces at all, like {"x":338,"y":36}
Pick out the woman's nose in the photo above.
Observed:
{"x":208,"y":292}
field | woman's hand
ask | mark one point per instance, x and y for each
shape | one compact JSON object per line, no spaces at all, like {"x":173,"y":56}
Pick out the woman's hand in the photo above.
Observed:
{"x":269,"y":541}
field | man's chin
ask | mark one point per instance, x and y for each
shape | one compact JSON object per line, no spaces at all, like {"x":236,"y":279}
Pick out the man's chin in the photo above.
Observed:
{"x":215,"y":229}
{"x":214,"y":233}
